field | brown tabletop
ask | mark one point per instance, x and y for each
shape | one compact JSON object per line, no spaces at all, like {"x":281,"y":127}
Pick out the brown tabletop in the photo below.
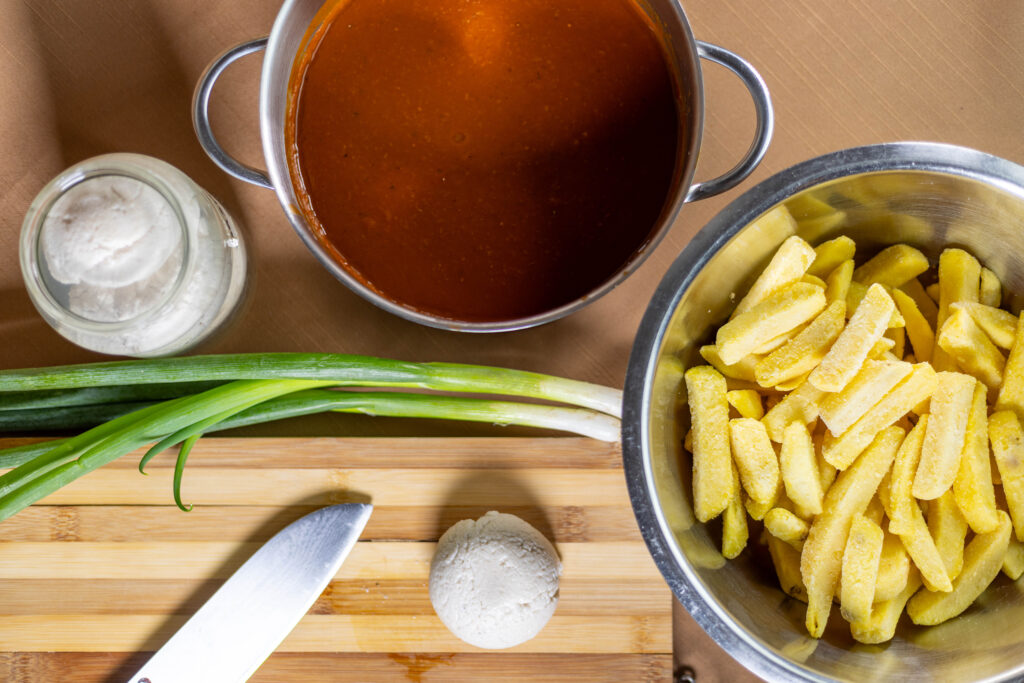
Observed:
{"x":85,"y":78}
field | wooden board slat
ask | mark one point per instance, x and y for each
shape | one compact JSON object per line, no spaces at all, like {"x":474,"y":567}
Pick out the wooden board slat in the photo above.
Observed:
{"x":383,"y":453}
{"x":397,"y":667}
{"x":602,"y":634}
{"x":391,"y":486}
{"x":102,"y":572}
{"x":579,"y":597}
{"x":258,"y":523}
{"x":214,"y":559}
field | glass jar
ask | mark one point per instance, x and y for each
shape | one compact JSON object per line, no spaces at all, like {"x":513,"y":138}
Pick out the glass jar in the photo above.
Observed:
{"x":126,"y":255}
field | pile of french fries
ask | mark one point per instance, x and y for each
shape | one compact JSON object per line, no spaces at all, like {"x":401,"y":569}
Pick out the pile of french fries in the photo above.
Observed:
{"x":857,"y":413}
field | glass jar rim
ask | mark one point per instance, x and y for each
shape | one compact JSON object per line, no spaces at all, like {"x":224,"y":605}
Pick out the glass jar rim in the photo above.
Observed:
{"x":125,"y":165}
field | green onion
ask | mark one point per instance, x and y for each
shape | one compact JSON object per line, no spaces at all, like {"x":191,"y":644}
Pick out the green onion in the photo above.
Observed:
{"x":179,"y":468}
{"x":113,"y":439}
{"x":335,"y":369}
{"x":388,"y":404}
{"x":63,"y":418}
{"x":210,"y":393}
{"x":98,"y":395}
{"x":16,"y":455}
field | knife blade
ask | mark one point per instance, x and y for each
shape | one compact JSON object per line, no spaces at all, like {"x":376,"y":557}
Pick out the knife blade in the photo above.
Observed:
{"x":248,"y":617}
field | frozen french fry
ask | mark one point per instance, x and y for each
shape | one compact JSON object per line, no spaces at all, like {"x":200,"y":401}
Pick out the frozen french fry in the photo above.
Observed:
{"x":855,"y":295}
{"x":959,"y":278}
{"x":898,"y":484}
{"x":922,"y":338}
{"x":882,"y":494}
{"x":757,"y":510}
{"x":918,"y":542}
{"x":893,"y":569}
{"x":747,"y":403}
{"x":949,"y":531}
{"x":829,"y":255}
{"x":972,"y":488}
{"x":892,"y":267}
{"x":1011,"y":395}
{"x":899,"y":338}
{"x":944,"y":438}
{"x":786,"y":561}
{"x":780,"y":312}
{"x":799,"y":468}
{"x":899,"y":500}
{"x":786,"y":526}
{"x":922,"y":407}
{"x":814,"y":280}
{"x":882,"y":349}
{"x":734,"y":525}
{"x":802,"y":353}
{"x":1007,"y":438}
{"x":826,"y":472}
{"x":874,"y":511}
{"x":808,"y":205}
{"x":971,"y":348}
{"x":925,"y":304}
{"x":741,"y":370}
{"x":776,"y":342}
{"x":755,"y":458}
{"x":983,"y":558}
{"x":787,"y":266}
{"x":837,"y":284}
{"x":999,"y":325}
{"x":860,"y":568}
{"x":791,"y":384}
{"x":841,"y":451}
{"x":800,"y":404}
{"x":1013,"y":562}
{"x":990,"y":290}
{"x":880,"y":626}
{"x":850,"y":350}
{"x":733,"y":384}
{"x":821,"y":560}
{"x":875,"y":379}
{"x":713,"y":485}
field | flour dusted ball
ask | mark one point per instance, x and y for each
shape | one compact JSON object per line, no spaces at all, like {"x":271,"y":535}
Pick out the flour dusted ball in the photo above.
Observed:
{"x":494,"y":581}
{"x":109,"y":231}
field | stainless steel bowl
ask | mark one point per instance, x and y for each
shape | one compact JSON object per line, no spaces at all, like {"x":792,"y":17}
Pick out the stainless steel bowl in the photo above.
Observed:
{"x":288,"y":38}
{"x":928,"y":195}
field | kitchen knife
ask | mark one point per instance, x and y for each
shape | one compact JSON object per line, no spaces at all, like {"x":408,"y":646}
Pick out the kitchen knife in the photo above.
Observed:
{"x":249,"y":616}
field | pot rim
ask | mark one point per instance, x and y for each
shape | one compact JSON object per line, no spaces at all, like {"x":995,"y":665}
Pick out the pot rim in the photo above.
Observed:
{"x":280,"y":178}
{"x":636,"y":446}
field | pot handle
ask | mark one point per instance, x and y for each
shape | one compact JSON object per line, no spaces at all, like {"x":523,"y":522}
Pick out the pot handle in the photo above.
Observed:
{"x":201,"y":115}
{"x":765,"y":121}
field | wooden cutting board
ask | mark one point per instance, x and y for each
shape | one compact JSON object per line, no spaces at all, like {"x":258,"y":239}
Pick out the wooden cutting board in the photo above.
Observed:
{"x":101,"y":573}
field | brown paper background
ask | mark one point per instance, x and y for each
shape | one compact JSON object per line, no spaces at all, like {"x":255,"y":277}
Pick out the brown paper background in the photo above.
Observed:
{"x":86,"y":77}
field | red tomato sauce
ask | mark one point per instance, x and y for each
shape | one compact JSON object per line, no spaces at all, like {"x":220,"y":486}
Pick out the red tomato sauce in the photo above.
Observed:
{"x":484,"y":160}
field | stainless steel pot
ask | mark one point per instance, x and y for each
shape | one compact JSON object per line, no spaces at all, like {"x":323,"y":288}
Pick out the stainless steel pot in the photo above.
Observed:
{"x":928,"y":195}
{"x":288,"y":39}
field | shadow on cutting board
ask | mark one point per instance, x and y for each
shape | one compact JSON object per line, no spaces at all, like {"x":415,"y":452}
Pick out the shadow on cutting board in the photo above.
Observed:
{"x":459,"y":502}
{"x":275,"y":522}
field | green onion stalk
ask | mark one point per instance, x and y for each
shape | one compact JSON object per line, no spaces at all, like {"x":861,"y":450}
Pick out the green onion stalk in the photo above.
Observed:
{"x":174,"y":401}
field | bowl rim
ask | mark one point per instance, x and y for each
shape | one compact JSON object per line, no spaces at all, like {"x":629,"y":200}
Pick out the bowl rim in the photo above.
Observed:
{"x":930,"y":157}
